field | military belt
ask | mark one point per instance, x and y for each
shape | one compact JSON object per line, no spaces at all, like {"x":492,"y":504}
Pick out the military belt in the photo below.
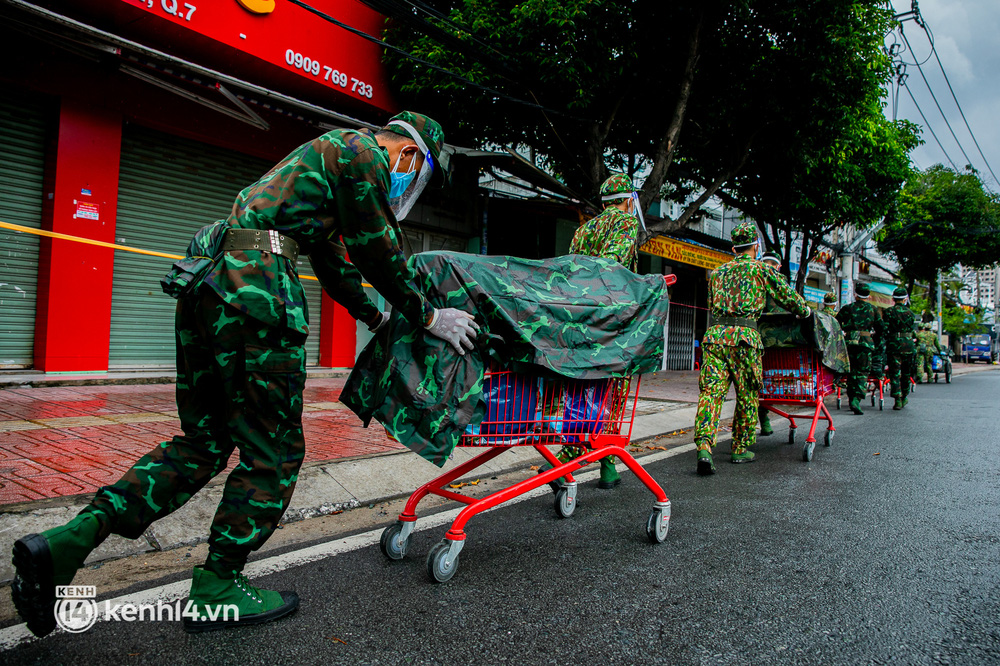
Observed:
{"x":263,"y":240}
{"x":745,"y":322}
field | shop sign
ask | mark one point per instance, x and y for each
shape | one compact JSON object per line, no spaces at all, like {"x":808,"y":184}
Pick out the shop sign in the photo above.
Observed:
{"x":292,"y":38}
{"x":685,"y":253}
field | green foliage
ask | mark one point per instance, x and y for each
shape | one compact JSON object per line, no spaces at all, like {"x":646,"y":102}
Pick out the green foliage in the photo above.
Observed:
{"x":943,"y":218}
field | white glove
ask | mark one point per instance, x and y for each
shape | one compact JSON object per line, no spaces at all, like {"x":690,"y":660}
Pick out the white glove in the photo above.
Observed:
{"x":455,"y":326}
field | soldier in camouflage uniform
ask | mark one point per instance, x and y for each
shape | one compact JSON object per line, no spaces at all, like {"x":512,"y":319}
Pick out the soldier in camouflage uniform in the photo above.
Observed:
{"x":861,"y":325}
{"x":241,"y":361}
{"x":829,"y":304}
{"x":732,"y":348}
{"x":898,"y":324}
{"x":610,"y":235}
{"x":928,"y":345}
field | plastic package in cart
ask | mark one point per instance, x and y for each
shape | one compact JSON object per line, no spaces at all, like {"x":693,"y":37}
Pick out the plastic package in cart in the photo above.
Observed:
{"x":511,"y":409}
{"x":587,"y":409}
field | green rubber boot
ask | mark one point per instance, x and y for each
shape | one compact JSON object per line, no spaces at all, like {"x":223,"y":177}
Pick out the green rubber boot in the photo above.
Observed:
{"x":564,"y":455}
{"x":856,"y":406}
{"x":705,"y":464}
{"x":232,"y":602}
{"x":742,"y":457}
{"x":765,"y":424}
{"x":43,"y":561}
{"x":609,"y":474}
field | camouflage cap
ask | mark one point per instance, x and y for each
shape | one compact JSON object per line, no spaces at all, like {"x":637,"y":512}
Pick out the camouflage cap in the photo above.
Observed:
{"x":618,"y":183}
{"x":745,"y":233}
{"x":428,"y":129}
{"x":861,"y":290}
{"x":899,"y":294}
{"x":829,"y":297}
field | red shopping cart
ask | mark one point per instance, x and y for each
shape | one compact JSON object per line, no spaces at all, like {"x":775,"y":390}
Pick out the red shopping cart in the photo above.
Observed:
{"x":795,"y":376}
{"x":876,"y":386}
{"x":524,"y":410}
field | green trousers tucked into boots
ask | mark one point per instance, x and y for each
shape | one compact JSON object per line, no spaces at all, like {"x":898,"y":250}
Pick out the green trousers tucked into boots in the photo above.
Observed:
{"x":239,"y":386}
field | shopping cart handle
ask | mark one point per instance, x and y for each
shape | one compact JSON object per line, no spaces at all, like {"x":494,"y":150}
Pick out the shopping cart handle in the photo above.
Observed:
{"x":669,"y":279}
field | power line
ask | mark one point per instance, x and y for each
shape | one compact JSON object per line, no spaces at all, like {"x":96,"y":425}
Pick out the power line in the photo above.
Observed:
{"x":934,"y":97}
{"x":425,"y":63}
{"x":928,"y":125}
{"x":952,"y":91}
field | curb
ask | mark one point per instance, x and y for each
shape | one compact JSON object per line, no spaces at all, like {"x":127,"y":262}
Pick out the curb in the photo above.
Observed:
{"x":20,"y":379}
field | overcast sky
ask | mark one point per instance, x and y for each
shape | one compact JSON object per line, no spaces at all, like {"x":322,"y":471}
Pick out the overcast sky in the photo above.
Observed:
{"x":967,"y":37}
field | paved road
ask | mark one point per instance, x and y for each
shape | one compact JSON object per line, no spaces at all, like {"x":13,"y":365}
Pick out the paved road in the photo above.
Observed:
{"x":854,"y":558}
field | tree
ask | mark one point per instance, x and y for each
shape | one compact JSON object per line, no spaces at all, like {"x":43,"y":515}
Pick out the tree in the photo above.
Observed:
{"x":943,"y":218}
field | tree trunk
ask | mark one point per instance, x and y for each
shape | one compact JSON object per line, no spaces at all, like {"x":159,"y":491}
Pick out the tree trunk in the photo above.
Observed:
{"x":808,"y":247}
{"x":668,"y":144}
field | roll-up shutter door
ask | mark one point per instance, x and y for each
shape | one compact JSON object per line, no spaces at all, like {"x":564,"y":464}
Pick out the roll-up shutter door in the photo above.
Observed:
{"x":169,"y":188}
{"x":22,"y":162}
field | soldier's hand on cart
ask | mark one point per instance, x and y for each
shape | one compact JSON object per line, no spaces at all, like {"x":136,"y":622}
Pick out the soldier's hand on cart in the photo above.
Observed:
{"x":454,"y":326}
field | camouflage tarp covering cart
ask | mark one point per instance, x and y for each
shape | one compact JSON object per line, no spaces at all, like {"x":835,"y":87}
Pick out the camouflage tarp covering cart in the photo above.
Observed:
{"x":820,"y":332}
{"x":576,"y":317}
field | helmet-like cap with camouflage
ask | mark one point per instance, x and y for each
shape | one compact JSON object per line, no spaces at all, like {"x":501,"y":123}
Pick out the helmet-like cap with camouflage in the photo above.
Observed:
{"x":829,"y":298}
{"x":899,"y":294}
{"x":861,"y":290}
{"x":426,"y":128}
{"x":745,"y":233}
{"x":618,"y":183}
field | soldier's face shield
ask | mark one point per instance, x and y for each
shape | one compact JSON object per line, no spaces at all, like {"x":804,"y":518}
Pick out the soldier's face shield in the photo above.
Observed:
{"x":636,"y":207}
{"x":402,"y":204}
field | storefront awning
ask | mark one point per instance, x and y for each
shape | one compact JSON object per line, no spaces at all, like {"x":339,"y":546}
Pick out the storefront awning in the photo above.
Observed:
{"x":881,"y":294}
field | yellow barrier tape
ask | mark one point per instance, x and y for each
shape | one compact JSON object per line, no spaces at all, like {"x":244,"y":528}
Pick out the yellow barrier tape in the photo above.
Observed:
{"x":113,"y":246}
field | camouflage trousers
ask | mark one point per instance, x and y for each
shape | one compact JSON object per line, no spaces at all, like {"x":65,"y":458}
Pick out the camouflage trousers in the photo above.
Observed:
{"x":877,"y":369}
{"x":722,"y":365}
{"x":239,"y":386}
{"x":861,"y":362}
{"x":900,"y":370}
{"x":923,"y":370}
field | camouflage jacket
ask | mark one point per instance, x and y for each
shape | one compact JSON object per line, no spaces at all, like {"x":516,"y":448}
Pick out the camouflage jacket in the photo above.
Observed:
{"x":739,"y":288}
{"x":898,"y":323}
{"x":829,"y":310}
{"x":861,"y":324}
{"x":928,"y":341}
{"x":330,"y":196}
{"x":611,"y":235}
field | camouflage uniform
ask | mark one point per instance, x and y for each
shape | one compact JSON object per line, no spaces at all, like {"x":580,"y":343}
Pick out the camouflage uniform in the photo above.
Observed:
{"x":860,"y":323}
{"x":733,"y":352}
{"x":928,"y":346}
{"x":898,"y":323}
{"x":610,"y":235}
{"x":613,"y":233}
{"x":240,"y":336}
{"x":829,"y":305}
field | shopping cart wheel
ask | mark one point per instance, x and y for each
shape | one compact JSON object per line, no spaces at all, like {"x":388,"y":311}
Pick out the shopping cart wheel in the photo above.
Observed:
{"x":791,"y":435}
{"x":838,"y":399}
{"x":393,"y":544}
{"x":807,"y":451}
{"x":828,"y":439}
{"x":442,"y":562}
{"x":881,"y":403}
{"x":873,"y":398}
{"x":565,"y":501}
{"x":659,"y":523}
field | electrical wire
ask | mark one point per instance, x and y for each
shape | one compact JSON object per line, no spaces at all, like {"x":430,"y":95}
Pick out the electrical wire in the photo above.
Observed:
{"x":938,"y":105}
{"x":928,"y":125}
{"x":437,"y":68}
{"x":960,"y":111}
